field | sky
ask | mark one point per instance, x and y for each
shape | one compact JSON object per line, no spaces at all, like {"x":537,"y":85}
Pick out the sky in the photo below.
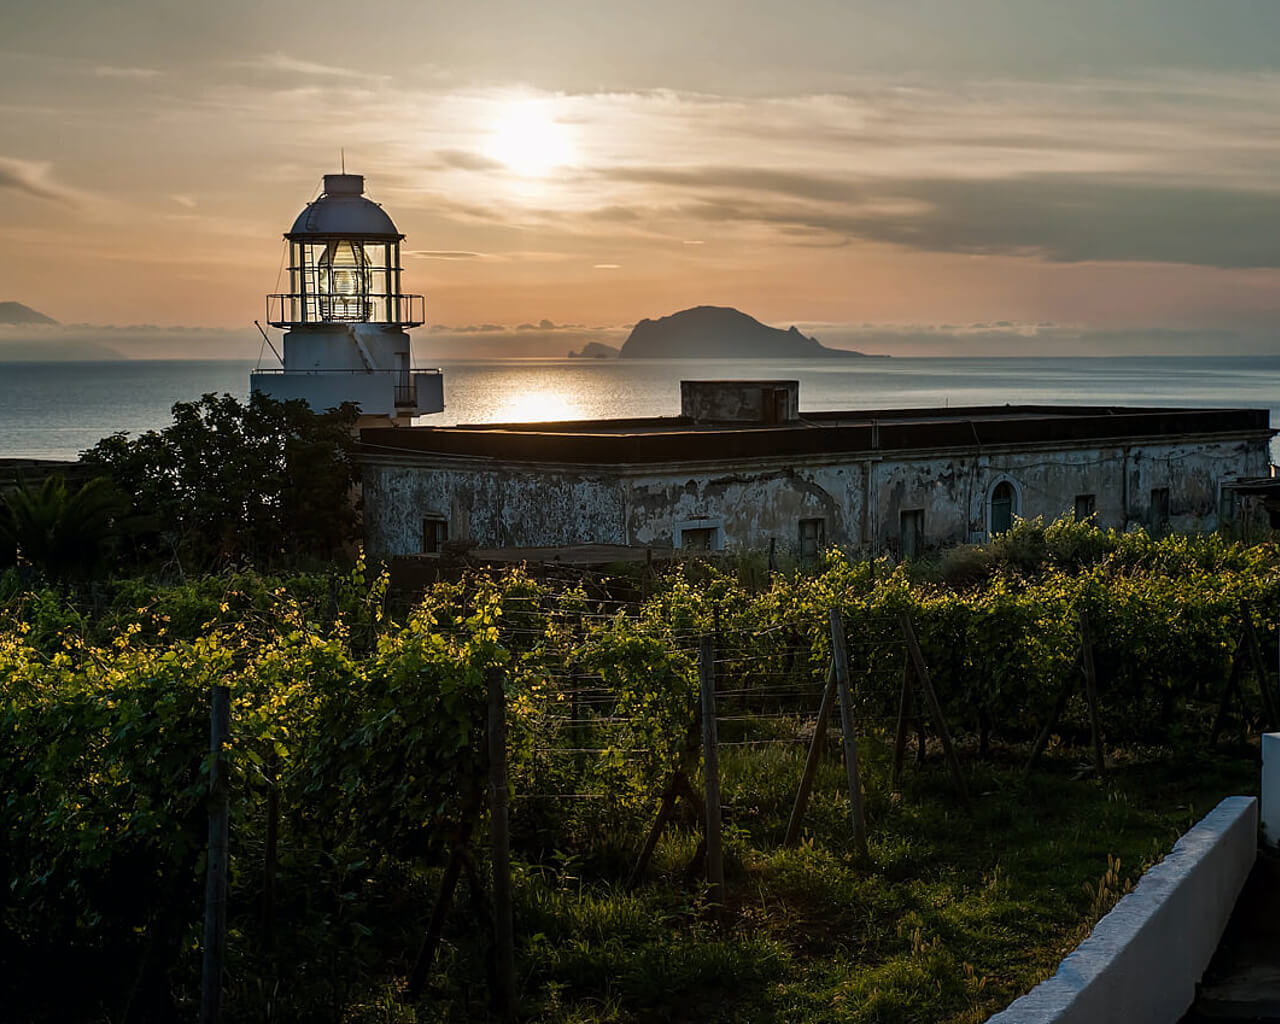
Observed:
{"x":917,"y":175}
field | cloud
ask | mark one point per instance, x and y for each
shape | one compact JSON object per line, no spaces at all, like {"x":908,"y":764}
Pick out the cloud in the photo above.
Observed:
{"x":31,"y":178}
{"x":106,"y":71}
{"x":466,"y":161}
{"x":1011,"y":338}
{"x":1055,"y":218}
{"x":444,"y":254}
{"x":291,"y":65}
{"x":527,"y":340}
{"x":607,"y":266}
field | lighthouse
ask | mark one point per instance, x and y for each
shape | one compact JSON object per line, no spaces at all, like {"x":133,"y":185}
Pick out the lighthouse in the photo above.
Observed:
{"x":345,"y":315}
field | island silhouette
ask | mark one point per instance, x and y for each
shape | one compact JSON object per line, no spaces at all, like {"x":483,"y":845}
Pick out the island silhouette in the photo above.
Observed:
{"x":721,"y":332}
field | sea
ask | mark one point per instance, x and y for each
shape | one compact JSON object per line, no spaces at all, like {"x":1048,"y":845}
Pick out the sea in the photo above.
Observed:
{"x":57,"y":410}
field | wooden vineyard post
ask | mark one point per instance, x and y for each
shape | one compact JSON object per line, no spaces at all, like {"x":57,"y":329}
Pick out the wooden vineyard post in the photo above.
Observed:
{"x":840,"y":657}
{"x":435,"y":927}
{"x":1059,"y":705}
{"x":1260,"y":669}
{"x":906,"y":702}
{"x":811,"y":762}
{"x":1232,"y":685}
{"x":270,"y":852}
{"x":711,"y":771}
{"x":215,"y":900}
{"x":1091,"y":694}
{"x":935,"y":709}
{"x":503,"y":926}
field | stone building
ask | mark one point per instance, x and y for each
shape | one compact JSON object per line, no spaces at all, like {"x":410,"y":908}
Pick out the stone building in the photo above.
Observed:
{"x":742,"y":467}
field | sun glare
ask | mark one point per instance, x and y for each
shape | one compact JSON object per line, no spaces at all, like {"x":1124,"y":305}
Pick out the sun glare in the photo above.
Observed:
{"x":527,"y":138}
{"x":538,"y":406}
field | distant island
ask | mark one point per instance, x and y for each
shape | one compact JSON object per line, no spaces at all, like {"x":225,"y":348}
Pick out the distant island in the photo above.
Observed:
{"x":721,"y":332}
{"x":595,"y":350}
{"x":17,"y":313}
{"x":45,"y":340}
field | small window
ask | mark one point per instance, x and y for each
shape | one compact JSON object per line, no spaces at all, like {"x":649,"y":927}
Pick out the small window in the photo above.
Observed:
{"x":911,"y":523}
{"x":1001,"y":507}
{"x":1159,"y":511}
{"x":702,"y":539}
{"x":813,"y":538}
{"x":1086,"y":505}
{"x":435,"y":531}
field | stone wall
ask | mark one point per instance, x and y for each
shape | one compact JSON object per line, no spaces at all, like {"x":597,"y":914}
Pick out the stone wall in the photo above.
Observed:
{"x":859,"y":498}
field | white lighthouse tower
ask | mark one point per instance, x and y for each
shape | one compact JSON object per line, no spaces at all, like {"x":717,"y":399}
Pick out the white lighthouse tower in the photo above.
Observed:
{"x":345,"y":314}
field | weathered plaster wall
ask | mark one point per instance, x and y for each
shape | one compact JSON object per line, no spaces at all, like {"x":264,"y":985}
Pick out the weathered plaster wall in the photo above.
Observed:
{"x":741,"y":401}
{"x":492,"y":507}
{"x":519,"y":506}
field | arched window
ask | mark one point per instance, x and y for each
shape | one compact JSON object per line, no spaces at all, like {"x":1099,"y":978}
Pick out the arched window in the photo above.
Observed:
{"x":1003,"y":507}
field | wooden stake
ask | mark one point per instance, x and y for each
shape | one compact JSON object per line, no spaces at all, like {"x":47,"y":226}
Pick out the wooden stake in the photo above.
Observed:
{"x":269,"y":858}
{"x":935,"y":709}
{"x":1232,"y":685}
{"x":439,"y":913}
{"x":1091,"y":695}
{"x":711,"y":772}
{"x":503,"y":927}
{"x":1260,"y":670}
{"x":1059,"y":705}
{"x":215,"y":900}
{"x":840,"y":656}
{"x":655,"y":832}
{"x":906,"y":701}
{"x":816,"y":746}
{"x":677,"y":787}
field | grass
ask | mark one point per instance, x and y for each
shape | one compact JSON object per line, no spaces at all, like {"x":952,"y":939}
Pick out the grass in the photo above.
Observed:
{"x":952,"y":915}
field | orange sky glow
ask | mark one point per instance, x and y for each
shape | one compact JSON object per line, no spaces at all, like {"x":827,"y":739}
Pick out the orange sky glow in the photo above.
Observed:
{"x":852,"y":165}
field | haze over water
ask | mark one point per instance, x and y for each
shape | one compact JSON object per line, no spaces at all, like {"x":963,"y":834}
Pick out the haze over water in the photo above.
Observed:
{"x":56,"y":410}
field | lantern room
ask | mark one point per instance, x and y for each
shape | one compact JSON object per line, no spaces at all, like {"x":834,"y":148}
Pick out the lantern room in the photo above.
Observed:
{"x":346,"y":313}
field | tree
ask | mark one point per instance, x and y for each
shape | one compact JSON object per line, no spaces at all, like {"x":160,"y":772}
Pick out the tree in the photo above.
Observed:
{"x":67,"y":534}
{"x":262,"y":481}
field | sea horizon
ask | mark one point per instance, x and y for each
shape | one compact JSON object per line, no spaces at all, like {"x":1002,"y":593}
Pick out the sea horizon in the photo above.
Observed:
{"x":57,"y":409}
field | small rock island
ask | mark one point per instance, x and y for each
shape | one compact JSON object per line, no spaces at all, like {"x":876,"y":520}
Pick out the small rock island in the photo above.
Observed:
{"x":595,"y":350}
{"x":721,"y":332}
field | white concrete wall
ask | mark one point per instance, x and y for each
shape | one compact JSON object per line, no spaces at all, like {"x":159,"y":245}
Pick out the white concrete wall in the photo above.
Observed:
{"x":1270,"y":810}
{"x":375,"y":393}
{"x":1143,"y":960}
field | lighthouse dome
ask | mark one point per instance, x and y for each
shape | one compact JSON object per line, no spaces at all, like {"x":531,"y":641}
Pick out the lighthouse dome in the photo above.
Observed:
{"x":343,"y":210}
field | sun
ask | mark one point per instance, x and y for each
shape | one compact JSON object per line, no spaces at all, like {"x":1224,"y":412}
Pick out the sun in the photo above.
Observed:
{"x":528,"y":139}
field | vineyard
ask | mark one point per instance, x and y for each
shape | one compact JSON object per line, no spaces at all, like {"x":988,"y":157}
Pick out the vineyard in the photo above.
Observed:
{"x":855,"y":792}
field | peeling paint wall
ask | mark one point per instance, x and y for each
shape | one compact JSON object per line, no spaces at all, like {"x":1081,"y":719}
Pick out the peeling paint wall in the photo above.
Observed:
{"x":496,"y":505}
{"x":740,"y":401}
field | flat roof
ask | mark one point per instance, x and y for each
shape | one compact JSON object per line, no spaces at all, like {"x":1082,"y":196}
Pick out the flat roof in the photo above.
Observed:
{"x":679,"y":439}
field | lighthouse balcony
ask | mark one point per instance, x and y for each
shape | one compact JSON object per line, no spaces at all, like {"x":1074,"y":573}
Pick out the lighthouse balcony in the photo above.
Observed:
{"x":391,"y":393}
{"x":300,"y":309}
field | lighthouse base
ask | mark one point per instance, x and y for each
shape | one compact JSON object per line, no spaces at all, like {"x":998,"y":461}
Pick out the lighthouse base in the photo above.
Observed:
{"x":383,"y":393}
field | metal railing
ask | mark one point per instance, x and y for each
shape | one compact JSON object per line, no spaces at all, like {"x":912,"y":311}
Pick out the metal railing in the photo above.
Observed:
{"x":297,"y":309}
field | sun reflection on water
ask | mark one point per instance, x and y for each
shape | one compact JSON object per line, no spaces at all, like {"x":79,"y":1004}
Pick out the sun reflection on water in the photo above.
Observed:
{"x":538,"y":407}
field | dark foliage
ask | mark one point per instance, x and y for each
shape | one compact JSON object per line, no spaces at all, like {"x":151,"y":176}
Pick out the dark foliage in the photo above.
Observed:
{"x":264,"y":482}
{"x":67,"y":534}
